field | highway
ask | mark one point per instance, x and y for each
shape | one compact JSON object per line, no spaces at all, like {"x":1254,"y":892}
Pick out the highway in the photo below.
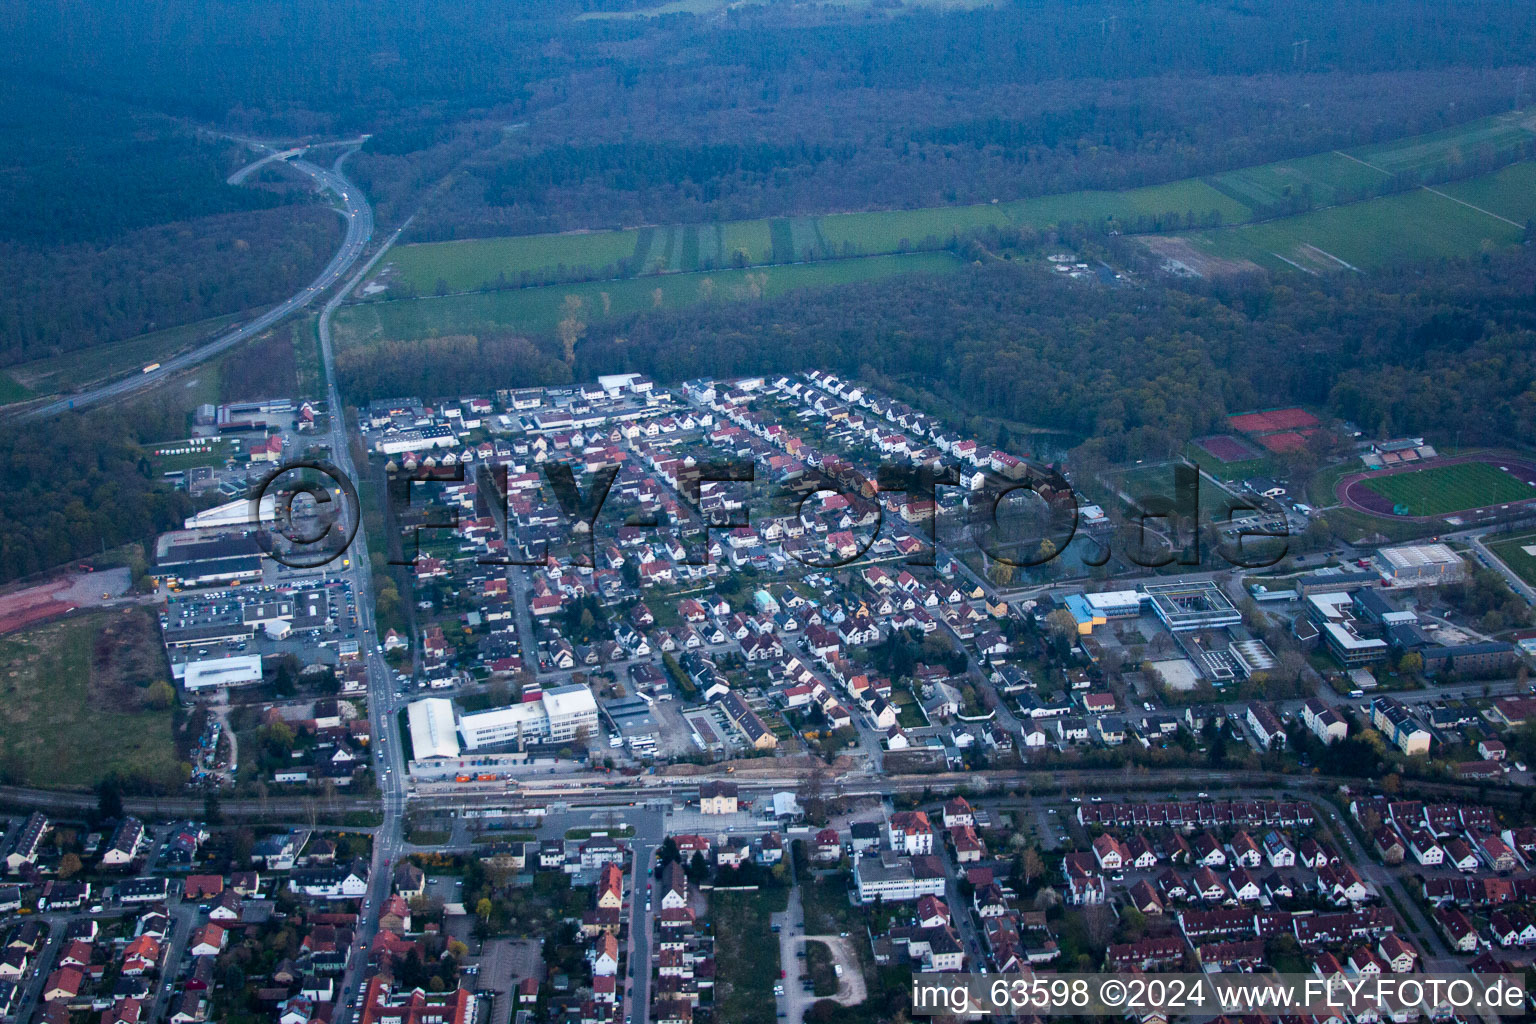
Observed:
{"x":359,"y":218}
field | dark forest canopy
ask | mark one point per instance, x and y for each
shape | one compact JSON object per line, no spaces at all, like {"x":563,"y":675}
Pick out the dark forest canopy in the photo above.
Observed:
{"x":115,"y":222}
{"x":82,"y":486}
{"x":352,"y":63}
{"x":775,"y":108}
{"x":495,"y":118}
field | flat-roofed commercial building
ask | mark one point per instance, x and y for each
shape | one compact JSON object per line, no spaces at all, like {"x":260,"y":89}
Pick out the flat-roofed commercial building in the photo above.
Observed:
{"x":1115,"y":604}
{"x":561,"y":713}
{"x":570,"y":710}
{"x":891,"y":877}
{"x":213,"y":673}
{"x":1199,"y":604}
{"x":1419,"y":564}
{"x":1334,"y":614}
{"x":203,"y":563}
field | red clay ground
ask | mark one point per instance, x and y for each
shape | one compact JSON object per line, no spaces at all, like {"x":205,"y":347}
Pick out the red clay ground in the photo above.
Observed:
{"x":1227,"y":448}
{"x":1272,"y":419}
{"x":1286,"y":440}
{"x":43,"y":601}
{"x":1352,"y":491}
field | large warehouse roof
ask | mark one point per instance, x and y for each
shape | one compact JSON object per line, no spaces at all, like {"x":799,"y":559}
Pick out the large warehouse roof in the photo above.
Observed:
{"x":1414,"y":555}
{"x":432,"y":729}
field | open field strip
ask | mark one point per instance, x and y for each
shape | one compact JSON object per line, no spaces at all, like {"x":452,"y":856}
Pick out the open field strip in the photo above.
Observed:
{"x":1231,"y":197}
{"x":540,"y":309}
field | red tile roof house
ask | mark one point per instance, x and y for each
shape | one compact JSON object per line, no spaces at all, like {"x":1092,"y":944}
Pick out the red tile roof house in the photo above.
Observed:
{"x":201,"y":887}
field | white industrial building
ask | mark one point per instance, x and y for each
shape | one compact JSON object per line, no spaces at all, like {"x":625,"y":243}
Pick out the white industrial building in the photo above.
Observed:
{"x":559,"y":715}
{"x":1418,"y":564}
{"x":416,"y":440}
{"x":211,"y":673}
{"x":431,"y":723}
{"x":232,"y":513}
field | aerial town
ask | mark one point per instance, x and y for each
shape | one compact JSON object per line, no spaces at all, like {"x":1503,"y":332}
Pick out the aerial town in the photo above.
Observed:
{"x":749,"y":734}
{"x":767,"y":512}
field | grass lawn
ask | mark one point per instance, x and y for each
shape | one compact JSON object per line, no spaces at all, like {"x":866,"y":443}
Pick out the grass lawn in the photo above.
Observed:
{"x":827,"y":910}
{"x":1372,"y":233}
{"x":1511,"y":551}
{"x":12,"y":390}
{"x":178,"y":458}
{"x":1157,"y":482}
{"x":617,"y":832}
{"x":747,"y":963}
{"x":908,"y":714}
{"x":1440,"y":490}
{"x":71,"y":711}
{"x":1245,"y":469}
{"x":427,"y":837}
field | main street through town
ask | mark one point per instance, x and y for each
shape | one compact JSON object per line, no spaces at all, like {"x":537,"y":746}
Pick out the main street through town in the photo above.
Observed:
{"x":388,"y":760}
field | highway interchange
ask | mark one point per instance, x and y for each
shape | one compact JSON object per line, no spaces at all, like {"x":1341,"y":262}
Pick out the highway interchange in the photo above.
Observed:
{"x":359,"y":230}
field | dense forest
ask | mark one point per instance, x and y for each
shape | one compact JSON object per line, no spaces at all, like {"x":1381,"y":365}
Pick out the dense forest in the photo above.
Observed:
{"x":115,"y":222}
{"x":83,"y":486}
{"x":69,"y":297}
{"x":830,"y":150}
{"x":1139,"y":370}
{"x":531,"y":119}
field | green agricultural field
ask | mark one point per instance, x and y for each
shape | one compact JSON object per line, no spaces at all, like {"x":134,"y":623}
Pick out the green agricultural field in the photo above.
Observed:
{"x":1509,"y":192}
{"x":683,"y":248}
{"x":1189,"y":196}
{"x":71,"y":707}
{"x":889,"y":230}
{"x":1412,"y":225}
{"x":473,"y":263}
{"x":753,"y":238}
{"x":1512,"y":552}
{"x":1436,"y":150}
{"x":540,"y":309}
{"x":1441,"y":490}
{"x":1329,"y":177}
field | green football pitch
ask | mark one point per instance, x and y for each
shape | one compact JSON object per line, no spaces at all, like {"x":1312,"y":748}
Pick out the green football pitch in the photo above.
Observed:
{"x":1440,"y":490}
